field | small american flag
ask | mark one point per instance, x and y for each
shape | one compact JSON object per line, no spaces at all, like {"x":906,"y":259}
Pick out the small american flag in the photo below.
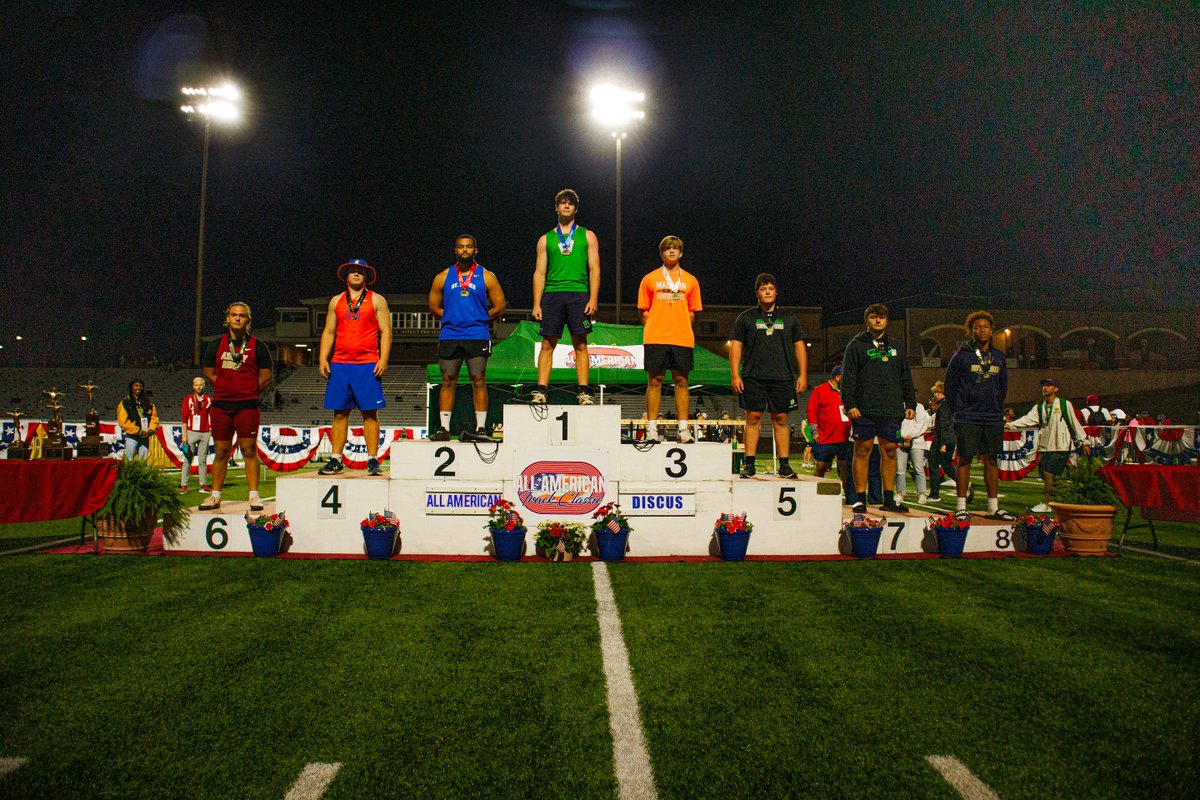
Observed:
{"x":614,"y":526}
{"x":1048,"y":526}
{"x":512,"y":517}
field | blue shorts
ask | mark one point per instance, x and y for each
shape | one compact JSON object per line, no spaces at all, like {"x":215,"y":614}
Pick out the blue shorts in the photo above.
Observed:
{"x":354,"y":386}
{"x":867,"y":428}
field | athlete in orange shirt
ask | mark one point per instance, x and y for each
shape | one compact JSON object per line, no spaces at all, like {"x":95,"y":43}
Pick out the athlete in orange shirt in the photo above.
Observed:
{"x":668,"y":298}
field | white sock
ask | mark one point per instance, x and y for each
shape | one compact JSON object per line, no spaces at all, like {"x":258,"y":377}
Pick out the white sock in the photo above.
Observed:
{"x":254,"y":496}
{"x":336,"y":456}
{"x":993,"y":505}
{"x":960,"y":504}
{"x":444,"y":416}
{"x":480,"y":419}
{"x":215,"y":494}
{"x":652,"y":431}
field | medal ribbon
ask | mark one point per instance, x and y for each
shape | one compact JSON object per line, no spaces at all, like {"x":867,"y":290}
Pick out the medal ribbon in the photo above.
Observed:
{"x":236,"y":352}
{"x":674,"y":286}
{"x":566,"y":242}
{"x":465,"y":283}
{"x":352,"y":308}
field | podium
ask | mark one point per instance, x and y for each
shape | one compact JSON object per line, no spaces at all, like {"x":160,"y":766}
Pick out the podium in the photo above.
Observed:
{"x":563,"y":462}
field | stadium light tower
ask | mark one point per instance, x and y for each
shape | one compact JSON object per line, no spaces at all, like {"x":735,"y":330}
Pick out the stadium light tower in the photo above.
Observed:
{"x":616,"y":109}
{"x":19,"y":338}
{"x":83,"y":347}
{"x":220,"y":104}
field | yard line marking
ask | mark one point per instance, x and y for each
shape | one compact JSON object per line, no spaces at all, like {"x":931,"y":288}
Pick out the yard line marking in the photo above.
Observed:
{"x":631,"y":761}
{"x":968,"y":786}
{"x":313,"y":781}
{"x":8,"y":765}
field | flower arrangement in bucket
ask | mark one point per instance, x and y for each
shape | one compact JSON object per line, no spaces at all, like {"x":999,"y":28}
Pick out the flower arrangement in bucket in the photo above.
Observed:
{"x":267,"y":533}
{"x":507,"y":530}
{"x":1038,"y":531}
{"x":864,"y":533}
{"x":380,"y":532}
{"x":561,"y":541}
{"x":611,"y":528}
{"x":951,"y":533}
{"x":733,"y":535}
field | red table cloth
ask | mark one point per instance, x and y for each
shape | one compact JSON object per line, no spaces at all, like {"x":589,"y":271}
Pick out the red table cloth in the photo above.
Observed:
{"x":36,"y":491}
{"x":1154,"y":486}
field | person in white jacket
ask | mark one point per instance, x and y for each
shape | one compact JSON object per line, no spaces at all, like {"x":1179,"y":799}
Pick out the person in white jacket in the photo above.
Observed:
{"x":913,"y":445}
{"x":1059,"y":432}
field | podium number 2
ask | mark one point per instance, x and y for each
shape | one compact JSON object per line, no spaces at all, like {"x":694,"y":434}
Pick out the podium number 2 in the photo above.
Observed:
{"x":443,"y":469}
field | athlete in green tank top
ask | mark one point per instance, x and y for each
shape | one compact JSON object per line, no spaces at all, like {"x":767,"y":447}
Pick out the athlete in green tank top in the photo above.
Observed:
{"x":567,"y":272}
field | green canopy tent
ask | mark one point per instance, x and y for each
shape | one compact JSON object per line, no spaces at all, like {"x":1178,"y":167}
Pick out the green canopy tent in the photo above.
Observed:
{"x":512,"y":369}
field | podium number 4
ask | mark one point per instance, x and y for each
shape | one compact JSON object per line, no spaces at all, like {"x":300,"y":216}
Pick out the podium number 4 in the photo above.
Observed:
{"x":330,"y":500}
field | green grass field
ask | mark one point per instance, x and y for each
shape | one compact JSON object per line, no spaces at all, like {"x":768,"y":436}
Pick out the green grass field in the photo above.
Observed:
{"x":193,"y":677}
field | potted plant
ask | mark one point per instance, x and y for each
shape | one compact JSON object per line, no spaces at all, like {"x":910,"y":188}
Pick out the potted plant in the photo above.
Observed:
{"x":1037,"y":531}
{"x":507,"y":531}
{"x":380,"y":532}
{"x":560,"y":541}
{"x":733,"y":536}
{"x":140,"y":496}
{"x":1085,"y":505}
{"x":864,"y":533}
{"x":951,"y":533}
{"x":267,"y":533}
{"x":611,"y":528}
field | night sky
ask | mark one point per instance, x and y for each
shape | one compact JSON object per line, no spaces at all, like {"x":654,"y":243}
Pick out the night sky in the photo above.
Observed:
{"x":1035,"y":156}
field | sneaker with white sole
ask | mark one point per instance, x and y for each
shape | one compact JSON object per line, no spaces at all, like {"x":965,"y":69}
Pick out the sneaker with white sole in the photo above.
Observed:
{"x":440,"y":435}
{"x":332,"y":467}
{"x":373,"y":467}
{"x":964,"y":514}
{"x":899,"y":497}
{"x":537,"y":396}
{"x":1041,"y":508}
{"x":1000,"y":515}
{"x":922,"y":498}
{"x":586,"y":399}
{"x":685,"y":436}
{"x":786,"y":472}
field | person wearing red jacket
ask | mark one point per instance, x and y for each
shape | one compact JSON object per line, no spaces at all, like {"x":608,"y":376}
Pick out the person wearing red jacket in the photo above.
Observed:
{"x":197,"y":430}
{"x":832,"y":443}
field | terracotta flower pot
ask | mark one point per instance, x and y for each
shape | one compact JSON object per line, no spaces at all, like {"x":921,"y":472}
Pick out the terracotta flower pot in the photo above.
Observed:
{"x":118,"y":538}
{"x":1086,"y":530}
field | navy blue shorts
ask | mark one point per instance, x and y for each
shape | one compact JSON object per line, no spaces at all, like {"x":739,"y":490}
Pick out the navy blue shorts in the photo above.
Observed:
{"x":354,"y":386}
{"x":867,"y":428}
{"x":564,"y":308}
{"x":828,"y":453}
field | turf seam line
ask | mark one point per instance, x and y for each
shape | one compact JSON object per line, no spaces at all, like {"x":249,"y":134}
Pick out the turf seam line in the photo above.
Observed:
{"x":965,"y":782}
{"x":8,"y":765}
{"x":313,"y":781}
{"x":1143,"y":552}
{"x":42,"y":546}
{"x":631,"y":760}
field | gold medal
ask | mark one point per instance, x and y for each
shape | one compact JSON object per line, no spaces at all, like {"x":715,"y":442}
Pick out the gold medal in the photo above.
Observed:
{"x":885,"y":358}
{"x":465,"y":293}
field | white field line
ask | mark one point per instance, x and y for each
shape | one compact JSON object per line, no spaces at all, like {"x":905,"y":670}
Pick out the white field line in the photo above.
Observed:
{"x":313,"y":781}
{"x":8,"y":765}
{"x":968,"y":786}
{"x":1144,"y":552}
{"x":42,"y":546}
{"x":631,"y":761}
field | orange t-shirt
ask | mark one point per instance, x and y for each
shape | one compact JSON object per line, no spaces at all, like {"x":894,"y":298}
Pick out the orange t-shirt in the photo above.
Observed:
{"x":669,"y":301}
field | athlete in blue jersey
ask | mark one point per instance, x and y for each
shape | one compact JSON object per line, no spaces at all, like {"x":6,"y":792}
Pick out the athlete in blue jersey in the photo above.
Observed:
{"x":466,"y":298}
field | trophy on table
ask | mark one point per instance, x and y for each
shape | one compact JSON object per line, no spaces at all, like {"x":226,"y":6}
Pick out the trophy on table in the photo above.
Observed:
{"x":55,"y":445}
{"x":91,"y":445}
{"x":17,"y":449}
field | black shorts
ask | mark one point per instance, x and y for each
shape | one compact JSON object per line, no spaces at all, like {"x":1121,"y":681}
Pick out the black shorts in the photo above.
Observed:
{"x":865,"y":429}
{"x":564,"y":308}
{"x":1053,"y":462}
{"x":976,"y":440}
{"x":674,"y":357}
{"x":828,"y":453}
{"x":464,"y":348}
{"x":777,"y":397}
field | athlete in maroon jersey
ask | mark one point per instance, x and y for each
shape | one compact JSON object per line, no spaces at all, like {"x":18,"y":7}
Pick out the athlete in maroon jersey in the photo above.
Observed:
{"x":239,"y":368}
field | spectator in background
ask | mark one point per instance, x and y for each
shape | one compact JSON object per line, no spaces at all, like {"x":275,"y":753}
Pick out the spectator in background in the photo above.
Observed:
{"x":831,"y":442}
{"x":912,"y":447}
{"x":1058,"y":433}
{"x":197,"y":430}
{"x":943,"y":445}
{"x":138,"y":418}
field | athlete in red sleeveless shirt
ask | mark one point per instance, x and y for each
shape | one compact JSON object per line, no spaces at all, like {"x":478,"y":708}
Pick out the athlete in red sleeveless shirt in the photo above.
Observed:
{"x":358,"y":335}
{"x":239,"y":367}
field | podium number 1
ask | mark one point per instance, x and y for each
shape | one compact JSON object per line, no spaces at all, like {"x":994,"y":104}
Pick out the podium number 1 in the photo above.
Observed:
{"x":563,"y":418}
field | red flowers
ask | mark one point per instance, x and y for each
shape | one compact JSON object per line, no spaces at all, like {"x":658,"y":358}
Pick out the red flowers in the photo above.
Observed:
{"x":385,"y":521}
{"x":951,"y":522}
{"x":268,"y":521}
{"x":609,"y":519}
{"x":502,"y":517}
{"x":733,"y":523}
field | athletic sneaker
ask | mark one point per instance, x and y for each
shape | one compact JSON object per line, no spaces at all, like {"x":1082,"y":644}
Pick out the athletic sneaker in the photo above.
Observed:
{"x":206,"y":488}
{"x":479,"y":435}
{"x":748,"y":470}
{"x":209,"y":504}
{"x":685,"y":436}
{"x":586,"y":399}
{"x":896,"y":506}
{"x":332,"y":467}
{"x":1041,"y":508}
{"x":537,"y":396}
{"x":1001,"y":516}
{"x":786,"y":471}
{"x":964,"y":514}
{"x":899,"y":497}
{"x":859,"y":508}
{"x":373,"y":467}
{"x":922,"y":498}
{"x":256,"y":505}
{"x":440,"y":434}
{"x":183,"y":490}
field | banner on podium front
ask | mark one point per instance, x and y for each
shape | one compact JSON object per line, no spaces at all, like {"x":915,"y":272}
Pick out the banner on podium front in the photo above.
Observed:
{"x":550,"y":485}
{"x":475,"y":502}
{"x":659,"y":504}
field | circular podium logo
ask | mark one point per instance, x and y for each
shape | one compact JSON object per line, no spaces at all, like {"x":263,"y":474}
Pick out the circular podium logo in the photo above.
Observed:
{"x":561,"y":487}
